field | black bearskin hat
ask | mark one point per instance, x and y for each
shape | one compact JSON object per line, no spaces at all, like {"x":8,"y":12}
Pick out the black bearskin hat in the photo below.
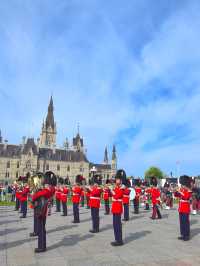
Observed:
{"x":127,"y":183}
{"x":136,"y":182}
{"x":67,"y":181}
{"x":79,"y":179}
{"x":121,"y":174}
{"x":108,"y":181}
{"x":61,"y":180}
{"x":154,"y":181}
{"x":50,"y":178}
{"x":185,"y":181}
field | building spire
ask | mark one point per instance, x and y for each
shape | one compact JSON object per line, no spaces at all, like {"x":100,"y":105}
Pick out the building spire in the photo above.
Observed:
{"x":1,"y":139}
{"x":114,"y":155}
{"x":106,"y":156}
{"x":50,"y":116}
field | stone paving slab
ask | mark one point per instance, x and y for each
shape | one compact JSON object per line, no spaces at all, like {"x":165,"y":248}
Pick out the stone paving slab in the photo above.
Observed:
{"x":147,"y":242}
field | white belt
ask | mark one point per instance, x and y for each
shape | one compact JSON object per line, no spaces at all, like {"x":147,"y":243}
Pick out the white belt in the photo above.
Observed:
{"x":95,"y":198}
{"x":126,"y":196}
{"x":120,"y":200}
{"x":75,"y":194}
{"x":184,"y":200}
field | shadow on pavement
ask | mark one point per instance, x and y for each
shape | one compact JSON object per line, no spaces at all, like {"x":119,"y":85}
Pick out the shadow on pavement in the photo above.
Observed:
{"x":135,"y":236}
{"x":194,"y":232}
{"x":8,"y":222}
{"x":70,"y":240}
{"x":60,"y":228}
{"x":192,"y":222}
{"x":10,"y":231}
{"x":135,"y":217}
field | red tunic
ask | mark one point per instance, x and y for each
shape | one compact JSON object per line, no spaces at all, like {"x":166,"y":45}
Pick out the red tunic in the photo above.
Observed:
{"x":117,"y":197}
{"x":155,"y":195}
{"x":95,"y":197}
{"x":24,"y":194}
{"x":76,"y":194}
{"x":126,"y":196}
{"x":64,"y":193}
{"x":106,"y":193}
{"x":58,"y":193}
{"x":138,"y":192}
{"x":184,"y":200}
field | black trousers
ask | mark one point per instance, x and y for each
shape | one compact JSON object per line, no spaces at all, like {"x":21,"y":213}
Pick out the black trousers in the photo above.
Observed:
{"x":41,"y":233}
{"x":24,"y":208}
{"x":126,"y":212}
{"x":17,"y":204}
{"x":184,"y":225}
{"x":95,"y":219}
{"x":35,"y":222}
{"x":107,"y":206}
{"x":76,"y":212}
{"x":64,"y":207}
{"x":136,"y":205}
{"x":57,"y":205}
{"x":156,"y":212}
{"x":117,"y":225}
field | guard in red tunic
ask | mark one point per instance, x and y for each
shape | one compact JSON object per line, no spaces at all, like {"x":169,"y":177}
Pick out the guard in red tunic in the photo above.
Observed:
{"x":17,"y":196}
{"x":117,"y":207}
{"x":106,"y":197}
{"x":24,"y":197}
{"x":138,"y":191}
{"x":155,"y":198}
{"x":184,"y":195}
{"x":40,"y":201}
{"x":87,"y":195}
{"x":63,"y":196}
{"x":126,"y":200}
{"x":58,"y":197}
{"x":95,"y":198}
{"x":76,"y":196}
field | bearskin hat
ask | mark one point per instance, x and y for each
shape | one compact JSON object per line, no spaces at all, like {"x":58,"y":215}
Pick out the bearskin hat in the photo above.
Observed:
{"x":121,"y":174}
{"x":127,"y":183}
{"x":61,"y":180}
{"x":50,"y":178}
{"x":108,"y":181}
{"x":79,"y":179}
{"x":136,"y":182}
{"x":153,"y":181}
{"x":185,"y":181}
{"x":67,"y":181}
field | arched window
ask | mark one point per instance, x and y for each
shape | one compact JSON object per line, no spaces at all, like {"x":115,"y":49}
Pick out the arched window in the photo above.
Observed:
{"x":8,"y":164}
{"x":47,"y":167}
{"x":17,"y":174}
{"x":17,"y":164}
{"x":68,"y":168}
{"x":108,"y":176}
{"x":28,"y":165}
{"x":58,"y":167}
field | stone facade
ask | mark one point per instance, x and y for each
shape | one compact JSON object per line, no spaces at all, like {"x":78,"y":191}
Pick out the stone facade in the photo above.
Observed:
{"x":17,"y":160}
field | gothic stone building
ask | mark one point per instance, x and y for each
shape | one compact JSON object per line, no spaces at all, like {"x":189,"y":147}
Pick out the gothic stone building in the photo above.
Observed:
{"x":70,"y":160}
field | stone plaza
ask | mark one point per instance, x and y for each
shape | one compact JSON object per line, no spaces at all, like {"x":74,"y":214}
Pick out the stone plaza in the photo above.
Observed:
{"x":147,"y":242}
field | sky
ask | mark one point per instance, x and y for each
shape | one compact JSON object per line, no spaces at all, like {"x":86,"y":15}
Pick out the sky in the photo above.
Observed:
{"x":127,"y":71}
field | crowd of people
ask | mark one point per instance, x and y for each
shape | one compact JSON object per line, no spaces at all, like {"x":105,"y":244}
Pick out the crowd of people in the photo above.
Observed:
{"x":40,"y":192}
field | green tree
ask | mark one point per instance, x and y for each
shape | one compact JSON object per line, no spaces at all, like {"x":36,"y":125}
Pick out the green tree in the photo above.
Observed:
{"x":153,"y":171}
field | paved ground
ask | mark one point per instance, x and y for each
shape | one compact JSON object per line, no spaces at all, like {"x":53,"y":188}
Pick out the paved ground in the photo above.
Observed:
{"x":147,"y":242}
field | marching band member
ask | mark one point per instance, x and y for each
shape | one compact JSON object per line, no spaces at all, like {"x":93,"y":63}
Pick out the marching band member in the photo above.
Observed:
{"x":76,"y":195}
{"x":63,"y":196}
{"x":58,"y":196}
{"x":106,"y":197}
{"x":24,"y":197}
{"x":17,"y":196}
{"x":184,"y":195}
{"x":87,"y":195}
{"x":117,"y":208}
{"x":155,"y":198}
{"x":138,"y":192}
{"x":40,"y":200}
{"x":126,"y":200}
{"x":95,"y":198}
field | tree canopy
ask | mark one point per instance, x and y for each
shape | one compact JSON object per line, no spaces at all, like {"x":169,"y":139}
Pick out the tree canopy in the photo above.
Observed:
{"x":153,"y":171}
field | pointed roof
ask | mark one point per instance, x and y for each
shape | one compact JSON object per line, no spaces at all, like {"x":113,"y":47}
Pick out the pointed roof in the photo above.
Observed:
{"x":50,"y":116}
{"x":106,"y":156}
{"x":114,"y":156}
{"x":1,"y":139}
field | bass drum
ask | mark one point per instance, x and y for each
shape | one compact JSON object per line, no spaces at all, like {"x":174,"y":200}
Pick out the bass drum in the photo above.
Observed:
{"x":132,"y":194}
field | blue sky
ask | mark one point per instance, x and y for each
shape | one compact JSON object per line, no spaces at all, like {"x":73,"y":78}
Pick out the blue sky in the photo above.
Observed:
{"x":128,"y":71}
